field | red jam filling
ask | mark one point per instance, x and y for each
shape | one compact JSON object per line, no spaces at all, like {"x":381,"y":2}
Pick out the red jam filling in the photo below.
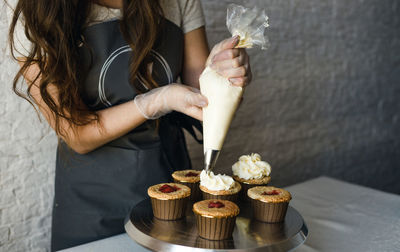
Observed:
{"x":191,"y":174}
{"x":168,"y":189}
{"x":273,"y":192}
{"x":216,"y":204}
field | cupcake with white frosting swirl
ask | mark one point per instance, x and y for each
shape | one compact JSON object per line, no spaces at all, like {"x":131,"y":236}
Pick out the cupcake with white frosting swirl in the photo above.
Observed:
{"x":251,"y":171}
{"x":218,"y":186}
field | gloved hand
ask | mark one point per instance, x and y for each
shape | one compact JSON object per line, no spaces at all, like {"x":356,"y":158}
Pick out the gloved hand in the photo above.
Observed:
{"x":230,"y":62}
{"x":160,"y":101}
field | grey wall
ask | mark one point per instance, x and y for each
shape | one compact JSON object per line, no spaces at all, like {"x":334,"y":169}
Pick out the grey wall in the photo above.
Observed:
{"x":325,"y":99}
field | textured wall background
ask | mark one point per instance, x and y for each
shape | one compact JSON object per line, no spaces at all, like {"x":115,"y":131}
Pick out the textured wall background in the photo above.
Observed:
{"x":324,"y":100}
{"x":27,"y":158}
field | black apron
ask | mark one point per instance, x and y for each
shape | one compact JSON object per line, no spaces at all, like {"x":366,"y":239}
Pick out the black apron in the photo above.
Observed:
{"x":95,"y":191}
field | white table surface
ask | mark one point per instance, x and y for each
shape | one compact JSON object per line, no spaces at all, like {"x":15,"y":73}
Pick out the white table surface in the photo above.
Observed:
{"x":339,"y":216}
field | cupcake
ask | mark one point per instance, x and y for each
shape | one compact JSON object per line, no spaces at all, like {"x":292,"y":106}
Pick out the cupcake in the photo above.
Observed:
{"x":251,"y":171}
{"x":191,"y":179}
{"x":169,"y":200}
{"x":215,"y":219}
{"x":218,"y":186}
{"x":269,"y":203}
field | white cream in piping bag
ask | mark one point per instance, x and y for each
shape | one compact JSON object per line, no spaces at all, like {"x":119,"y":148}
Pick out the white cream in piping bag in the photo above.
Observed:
{"x":223,"y":100}
{"x":215,"y":182}
{"x":251,"y":167}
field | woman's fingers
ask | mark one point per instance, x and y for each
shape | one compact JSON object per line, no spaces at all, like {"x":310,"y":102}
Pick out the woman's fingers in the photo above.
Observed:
{"x":239,"y":81}
{"x":238,"y":76}
{"x":236,"y":69}
{"x":232,"y":63}
{"x":194,"y":103}
{"x":194,"y":98}
{"x":228,"y":43}
{"x":226,"y":54}
{"x":229,"y":63}
{"x":194,"y":112}
{"x":221,"y":46}
{"x":233,"y":72}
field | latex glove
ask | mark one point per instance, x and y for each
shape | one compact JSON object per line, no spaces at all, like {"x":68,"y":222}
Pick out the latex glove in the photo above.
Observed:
{"x":230,"y":62}
{"x":160,"y":101}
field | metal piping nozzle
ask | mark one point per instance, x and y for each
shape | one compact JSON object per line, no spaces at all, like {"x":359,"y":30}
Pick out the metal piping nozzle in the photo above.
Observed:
{"x":210,"y":159}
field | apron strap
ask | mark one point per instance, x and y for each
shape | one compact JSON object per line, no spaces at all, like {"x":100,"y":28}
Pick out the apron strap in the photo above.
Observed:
{"x":188,"y":123}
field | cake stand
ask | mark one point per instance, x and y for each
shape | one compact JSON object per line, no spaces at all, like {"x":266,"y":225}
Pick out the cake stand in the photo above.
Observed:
{"x":181,"y":235}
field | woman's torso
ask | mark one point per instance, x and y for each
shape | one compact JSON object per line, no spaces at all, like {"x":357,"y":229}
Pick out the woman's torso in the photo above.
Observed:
{"x":95,"y":191}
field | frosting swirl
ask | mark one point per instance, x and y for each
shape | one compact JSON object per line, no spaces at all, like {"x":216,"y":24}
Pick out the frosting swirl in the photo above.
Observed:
{"x":215,"y":182}
{"x":251,"y":167}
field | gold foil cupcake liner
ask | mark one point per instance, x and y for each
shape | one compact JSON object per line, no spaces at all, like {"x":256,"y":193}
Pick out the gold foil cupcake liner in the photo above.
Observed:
{"x":230,"y":197}
{"x":195,"y":192}
{"x":212,"y":228}
{"x":269,"y":212}
{"x":169,"y":209}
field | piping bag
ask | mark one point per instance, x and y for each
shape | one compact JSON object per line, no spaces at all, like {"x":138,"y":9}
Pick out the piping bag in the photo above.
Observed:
{"x":223,"y":97}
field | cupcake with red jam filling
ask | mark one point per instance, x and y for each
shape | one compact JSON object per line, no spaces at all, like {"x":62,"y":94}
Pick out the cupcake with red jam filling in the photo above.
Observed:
{"x":215,"y":219}
{"x":269,"y":203}
{"x":218,"y":186}
{"x":191,"y":179}
{"x":169,"y":200}
{"x":251,"y":171}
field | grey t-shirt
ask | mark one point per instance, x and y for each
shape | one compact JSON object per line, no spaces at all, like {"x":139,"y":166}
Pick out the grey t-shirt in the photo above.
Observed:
{"x":186,"y":14}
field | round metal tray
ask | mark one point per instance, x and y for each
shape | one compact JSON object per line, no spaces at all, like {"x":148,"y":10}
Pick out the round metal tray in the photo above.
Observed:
{"x":181,"y":235}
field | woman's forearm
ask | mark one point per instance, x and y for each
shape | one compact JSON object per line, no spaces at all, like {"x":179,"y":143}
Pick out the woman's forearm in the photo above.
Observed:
{"x":113,"y":123}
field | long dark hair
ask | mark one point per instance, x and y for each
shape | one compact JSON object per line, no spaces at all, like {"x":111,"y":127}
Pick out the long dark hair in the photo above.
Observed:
{"x":55,"y":30}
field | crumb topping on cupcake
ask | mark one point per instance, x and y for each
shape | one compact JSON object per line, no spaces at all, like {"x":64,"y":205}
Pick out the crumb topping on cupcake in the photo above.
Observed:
{"x":216,"y":208}
{"x":269,"y":194}
{"x":187,"y":176}
{"x":235,"y":188}
{"x":251,"y":167}
{"x":167,"y":191}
